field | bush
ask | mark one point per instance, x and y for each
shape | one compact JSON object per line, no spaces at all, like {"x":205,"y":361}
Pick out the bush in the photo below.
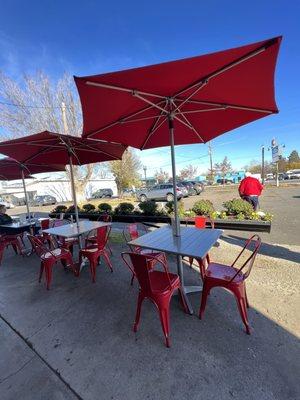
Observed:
{"x":149,"y":207}
{"x":124,"y":208}
{"x":88,"y":207}
{"x":105,"y":207}
{"x":71,"y":209}
{"x":238,"y":207}
{"x":60,"y":209}
{"x":203,"y":207}
{"x":170,"y":208}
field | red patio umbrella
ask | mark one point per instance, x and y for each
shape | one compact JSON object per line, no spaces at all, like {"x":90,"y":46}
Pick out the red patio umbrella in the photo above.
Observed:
{"x":49,"y":149}
{"x":181,"y":102}
{"x":11,"y":169}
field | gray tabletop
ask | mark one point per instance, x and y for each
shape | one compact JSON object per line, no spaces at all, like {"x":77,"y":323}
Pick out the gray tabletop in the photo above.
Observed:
{"x":193,"y":242}
{"x":17,"y":225}
{"x":71,"y":230}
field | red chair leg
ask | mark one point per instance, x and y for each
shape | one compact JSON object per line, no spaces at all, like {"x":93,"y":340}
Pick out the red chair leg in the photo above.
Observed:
{"x":165,"y":322}
{"x":138,"y":312}
{"x":93,"y":270}
{"x":243,"y":312}
{"x":48,"y":271}
{"x":109,"y":248}
{"x":132,"y":279}
{"x":41,"y":271}
{"x":205,"y":293}
{"x":105,"y":255}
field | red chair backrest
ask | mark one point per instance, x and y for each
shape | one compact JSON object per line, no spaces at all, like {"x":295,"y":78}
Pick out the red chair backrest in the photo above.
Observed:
{"x":45,"y":223}
{"x":255,"y":241}
{"x":133,"y":232}
{"x":38,"y":245}
{"x":141,"y":268}
{"x":102,"y":235}
{"x":105,"y":218}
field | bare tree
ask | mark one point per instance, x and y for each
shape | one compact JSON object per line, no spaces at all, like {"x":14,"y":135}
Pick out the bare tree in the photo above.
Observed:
{"x":188,"y":172}
{"x":223,"y":167}
{"x":161,"y":176}
{"x":35,"y":104}
{"x":126,"y":171}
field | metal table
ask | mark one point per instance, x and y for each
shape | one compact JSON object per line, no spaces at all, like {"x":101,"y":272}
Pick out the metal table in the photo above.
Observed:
{"x":193,"y":242}
{"x":16,"y":228}
{"x":75,"y":230}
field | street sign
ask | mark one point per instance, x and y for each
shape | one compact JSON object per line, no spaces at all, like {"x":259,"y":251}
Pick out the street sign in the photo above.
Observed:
{"x":275,"y":154}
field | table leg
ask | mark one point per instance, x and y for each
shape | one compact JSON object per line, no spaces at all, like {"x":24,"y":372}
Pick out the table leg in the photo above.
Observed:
{"x":184,"y":291}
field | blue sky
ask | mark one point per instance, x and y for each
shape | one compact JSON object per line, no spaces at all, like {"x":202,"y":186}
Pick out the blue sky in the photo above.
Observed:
{"x":88,"y":37}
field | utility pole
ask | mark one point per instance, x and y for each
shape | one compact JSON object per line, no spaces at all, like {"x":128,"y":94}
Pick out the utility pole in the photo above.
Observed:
{"x":145,"y":173}
{"x":263,"y":164}
{"x":210,"y":159}
{"x":64,"y":117}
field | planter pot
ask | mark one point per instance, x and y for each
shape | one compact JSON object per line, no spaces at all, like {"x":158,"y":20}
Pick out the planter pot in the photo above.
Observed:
{"x":229,"y":224}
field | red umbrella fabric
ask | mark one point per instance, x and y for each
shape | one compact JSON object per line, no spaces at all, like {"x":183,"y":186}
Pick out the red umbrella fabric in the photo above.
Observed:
{"x":11,"y":169}
{"x":207,"y":96}
{"x":50,"y":149}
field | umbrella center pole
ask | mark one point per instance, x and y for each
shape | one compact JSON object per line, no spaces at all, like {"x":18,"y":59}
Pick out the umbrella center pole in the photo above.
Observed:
{"x":26,"y":195}
{"x":73,"y":189}
{"x":171,"y":129}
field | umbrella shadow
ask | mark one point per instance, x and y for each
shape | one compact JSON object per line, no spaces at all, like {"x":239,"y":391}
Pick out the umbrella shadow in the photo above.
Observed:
{"x":271,"y":250}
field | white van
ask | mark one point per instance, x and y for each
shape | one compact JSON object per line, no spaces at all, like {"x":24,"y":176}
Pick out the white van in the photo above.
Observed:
{"x":293,"y":174}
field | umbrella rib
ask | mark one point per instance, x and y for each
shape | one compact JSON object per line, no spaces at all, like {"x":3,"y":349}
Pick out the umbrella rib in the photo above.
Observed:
{"x":230,"y":65}
{"x":156,"y":125}
{"x":122,"y":89}
{"x":235,"y":106}
{"x":202,"y":85}
{"x":202,"y":111}
{"x":91,"y":134}
{"x":191,"y":127}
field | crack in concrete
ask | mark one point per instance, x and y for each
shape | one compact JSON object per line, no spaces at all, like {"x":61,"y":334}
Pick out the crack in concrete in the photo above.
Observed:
{"x":18,"y":370}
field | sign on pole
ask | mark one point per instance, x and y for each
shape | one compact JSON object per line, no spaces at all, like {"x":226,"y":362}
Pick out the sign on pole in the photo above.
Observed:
{"x":275,"y":154}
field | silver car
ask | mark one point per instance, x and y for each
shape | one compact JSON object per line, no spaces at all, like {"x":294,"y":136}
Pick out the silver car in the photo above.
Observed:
{"x":161,"y":192}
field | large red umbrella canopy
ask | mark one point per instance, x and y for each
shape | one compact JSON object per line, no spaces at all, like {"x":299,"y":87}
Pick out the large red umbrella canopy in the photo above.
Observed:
{"x":47,"y":148}
{"x":11,"y":169}
{"x":205,"y":95}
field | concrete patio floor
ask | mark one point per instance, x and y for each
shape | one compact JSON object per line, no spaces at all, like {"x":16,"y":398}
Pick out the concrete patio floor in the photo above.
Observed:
{"x":76,"y":342}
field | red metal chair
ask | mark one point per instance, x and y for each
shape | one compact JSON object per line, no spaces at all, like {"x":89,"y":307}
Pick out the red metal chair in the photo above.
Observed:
{"x":47,"y":238}
{"x":157,"y":286}
{"x":93,"y":238}
{"x":232,"y":278}
{"x":93,"y":252}
{"x":66,"y":243}
{"x":200,"y":223}
{"x":15,"y":241}
{"x":50,"y":257}
{"x":131,"y":232}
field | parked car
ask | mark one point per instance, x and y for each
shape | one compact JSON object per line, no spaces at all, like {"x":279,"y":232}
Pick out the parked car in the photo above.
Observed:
{"x":224,"y":181}
{"x":293,"y":174}
{"x":101,"y":193}
{"x":43,"y":200}
{"x":162,"y":192}
{"x":188,"y":186}
{"x":7,"y":204}
{"x":198,"y":186}
{"x":185,"y":189}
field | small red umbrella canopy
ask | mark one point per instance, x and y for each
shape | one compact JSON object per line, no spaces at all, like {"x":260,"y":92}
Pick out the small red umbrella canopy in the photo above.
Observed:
{"x":51,"y":149}
{"x":181,"y":102}
{"x":11,"y":169}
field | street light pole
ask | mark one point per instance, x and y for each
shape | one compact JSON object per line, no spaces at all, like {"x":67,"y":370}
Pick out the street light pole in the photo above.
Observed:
{"x":263,"y":164}
{"x":145,"y":173}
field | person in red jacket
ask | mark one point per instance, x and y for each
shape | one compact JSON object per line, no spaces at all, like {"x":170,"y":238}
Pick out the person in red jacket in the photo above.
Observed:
{"x":250,"y":189}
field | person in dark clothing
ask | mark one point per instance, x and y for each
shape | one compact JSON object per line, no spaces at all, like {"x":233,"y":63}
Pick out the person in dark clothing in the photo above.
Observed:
{"x":4,"y":218}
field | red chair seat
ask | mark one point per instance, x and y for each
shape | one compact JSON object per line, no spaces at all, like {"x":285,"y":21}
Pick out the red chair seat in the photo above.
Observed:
{"x":58,"y":253}
{"x":223,"y":272}
{"x":160,"y":282}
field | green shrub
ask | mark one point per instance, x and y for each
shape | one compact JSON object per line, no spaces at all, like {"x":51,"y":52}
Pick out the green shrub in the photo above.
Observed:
{"x":88,"y":207}
{"x":105,"y":207}
{"x":149,"y":207}
{"x":203,"y":207}
{"x":170,"y":208}
{"x":60,"y":209}
{"x":237,"y":207}
{"x":124,"y":208}
{"x":71,"y":209}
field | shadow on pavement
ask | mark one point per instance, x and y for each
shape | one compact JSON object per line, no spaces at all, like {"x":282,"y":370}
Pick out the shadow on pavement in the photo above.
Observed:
{"x":271,"y":250}
{"x":84,"y":331}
